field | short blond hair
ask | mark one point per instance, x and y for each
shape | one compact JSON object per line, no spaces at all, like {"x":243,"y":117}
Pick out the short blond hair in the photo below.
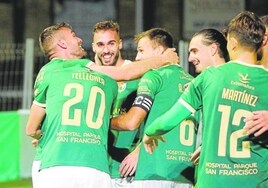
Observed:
{"x":45,"y":38}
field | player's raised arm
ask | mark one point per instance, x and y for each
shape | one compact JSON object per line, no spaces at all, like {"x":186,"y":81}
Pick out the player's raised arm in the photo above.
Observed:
{"x":137,"y":68}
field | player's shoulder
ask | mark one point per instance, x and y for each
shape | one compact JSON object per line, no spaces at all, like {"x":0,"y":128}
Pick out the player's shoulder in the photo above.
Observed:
{"x":165,"y":68}
{"x":49,"y":67}
{"x":218,"y":68}
{"x":76,"y":62}
{"x":52,"y":64}
{"x":226,"y":69}
{"x":175,"y":69}
{"x":165,"y":71}
{"x":239,"y":66}
{"x":105,"y":77}
{"x":210,"y":73}
{"x":185,"y":75}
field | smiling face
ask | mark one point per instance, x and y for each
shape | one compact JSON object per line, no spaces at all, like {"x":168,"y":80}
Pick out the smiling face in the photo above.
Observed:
{"x":199,"y":54}
{"x":60,"y":41}
{"x":74,"y":43}
{"x":107,"y":45}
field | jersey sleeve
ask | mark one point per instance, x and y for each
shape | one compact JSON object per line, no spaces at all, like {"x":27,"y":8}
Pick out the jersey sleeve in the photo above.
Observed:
{"x":169,"y":120}
{"x":148,"y":87}
{"x":192,"y":97}
{"x":40,"y":87}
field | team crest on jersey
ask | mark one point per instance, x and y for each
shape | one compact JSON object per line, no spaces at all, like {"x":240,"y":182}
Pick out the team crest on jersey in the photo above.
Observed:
{"x":244,"y":78}
{"x":180,"y":87}
{"x":36,"y":92}
{"x":40,"y":77}
{"x":185,"y":76}
{"x":121,"y":86}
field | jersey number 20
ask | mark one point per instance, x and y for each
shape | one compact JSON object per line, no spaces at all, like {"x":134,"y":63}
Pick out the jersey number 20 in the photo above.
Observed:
{"x":77,"y":114}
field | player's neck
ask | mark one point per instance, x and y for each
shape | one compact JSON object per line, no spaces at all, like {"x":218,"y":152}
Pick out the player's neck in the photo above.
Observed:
{"x":218,"y":61}
{"x":247,"y":57}
{"x":120,"y":61}
{"x":264,"y":59}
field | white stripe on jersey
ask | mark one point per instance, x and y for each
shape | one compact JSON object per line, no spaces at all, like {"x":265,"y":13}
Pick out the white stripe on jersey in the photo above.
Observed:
{"x":188,"y":106}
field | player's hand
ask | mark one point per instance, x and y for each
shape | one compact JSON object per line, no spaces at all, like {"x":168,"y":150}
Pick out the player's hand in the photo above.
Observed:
{"x":91,"y":65}
{"x":257,"y":123}
{"x":129,"y":164}
{"x":195,"y":156}
{"x":186,"y":85}
{"x":170,"y":55}
{"x":35,"y":142}
{"x":151,"y":142}
{"x":38,"y":134}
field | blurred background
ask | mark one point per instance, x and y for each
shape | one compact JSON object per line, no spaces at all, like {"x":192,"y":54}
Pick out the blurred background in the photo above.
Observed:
{"x":21,"y":19}
{"x":21,"y":22}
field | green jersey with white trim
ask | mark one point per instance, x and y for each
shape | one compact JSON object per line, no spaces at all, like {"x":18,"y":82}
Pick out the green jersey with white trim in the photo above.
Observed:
{"x":171,"y":160}
{"x":78,"y":105}
{"x":228,"y":94}
{"x":229,"y":156}
{"x":82,"y":62}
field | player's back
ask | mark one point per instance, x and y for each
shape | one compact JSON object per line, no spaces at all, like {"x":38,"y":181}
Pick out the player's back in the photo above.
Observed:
{"x":78,"y":107}
{"x":229,"y":156}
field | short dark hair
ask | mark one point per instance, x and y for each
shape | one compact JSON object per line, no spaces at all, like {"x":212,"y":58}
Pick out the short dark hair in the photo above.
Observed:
{"x":248,"y":29}
{"x":158,"y":35}
{"x":106,"y":25}
{"x":211,"y":36}
{"x":264,"y":20}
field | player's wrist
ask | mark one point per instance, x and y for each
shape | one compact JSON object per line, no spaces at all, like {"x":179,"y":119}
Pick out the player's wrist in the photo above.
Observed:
{"x":90,"y":65}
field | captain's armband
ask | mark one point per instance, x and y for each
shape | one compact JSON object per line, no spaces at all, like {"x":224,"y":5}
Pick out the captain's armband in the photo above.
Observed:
{"x":143,"y":101}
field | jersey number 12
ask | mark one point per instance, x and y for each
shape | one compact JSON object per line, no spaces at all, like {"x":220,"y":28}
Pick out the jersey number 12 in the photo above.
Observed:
{"x":238,"y":116}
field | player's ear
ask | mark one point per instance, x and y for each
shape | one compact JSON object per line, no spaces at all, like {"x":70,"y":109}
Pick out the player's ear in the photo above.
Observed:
{"x":265,"y":40}
{"x":233,"y":43}
{"x":61,"y":43}
{"x":120,"y":44}
{"x":93,"y":47}
{"x":213,"y":49}
{"x":160,"y":49}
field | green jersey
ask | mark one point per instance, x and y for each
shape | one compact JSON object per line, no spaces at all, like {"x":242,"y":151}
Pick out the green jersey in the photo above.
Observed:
{"x":121,"y":143}
{"x":78,"y":105}
{"x":83,"y":62}
{"x":171,"y":160}
{"x":228,"y":94}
